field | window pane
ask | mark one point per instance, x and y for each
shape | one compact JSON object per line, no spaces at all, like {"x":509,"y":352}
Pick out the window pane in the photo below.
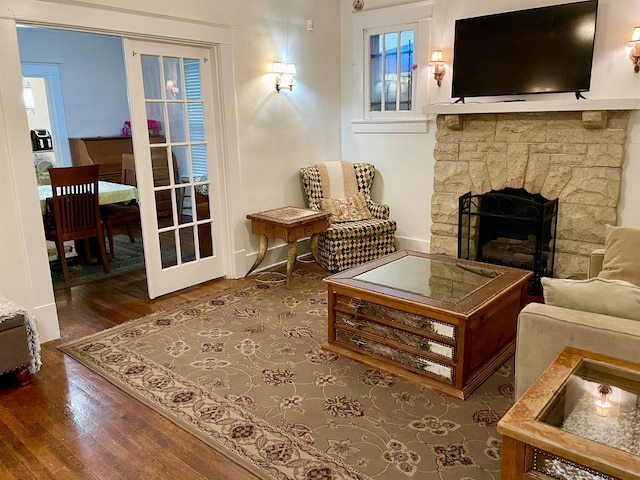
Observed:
{"x":172,"y":78}
{"x":406,"y":69}
{"x":375,"y":73}
{"x":196,"y":122}
{"x":177,"y":131}
{"x":151,"y":76}
{"x":192,"y":79}
{"x":391,"y":70}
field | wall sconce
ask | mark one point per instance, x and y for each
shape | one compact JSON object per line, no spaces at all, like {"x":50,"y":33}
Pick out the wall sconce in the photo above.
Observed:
{"x":438,"y":66}
{"x":283,"y":73}
{"x":635,"y":49}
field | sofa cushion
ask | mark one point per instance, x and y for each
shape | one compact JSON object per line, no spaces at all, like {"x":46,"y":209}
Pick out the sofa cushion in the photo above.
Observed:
{"x":346,"y":209}
{"x":616,"y":298}
{"x":621,"y":248}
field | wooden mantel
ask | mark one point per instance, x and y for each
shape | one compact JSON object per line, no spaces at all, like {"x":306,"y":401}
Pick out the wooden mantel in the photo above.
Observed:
{"x":474,"y":107}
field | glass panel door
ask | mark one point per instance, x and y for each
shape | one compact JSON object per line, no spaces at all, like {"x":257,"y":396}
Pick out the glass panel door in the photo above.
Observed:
{"x":177,"y":154}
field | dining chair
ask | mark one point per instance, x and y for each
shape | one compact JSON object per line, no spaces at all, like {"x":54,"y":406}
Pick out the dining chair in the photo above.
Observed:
{"x":73,"y":212}
{"x":119,"y":214}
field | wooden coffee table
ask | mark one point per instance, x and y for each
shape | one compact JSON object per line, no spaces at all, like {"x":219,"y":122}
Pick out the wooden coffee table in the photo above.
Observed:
{"x":288,"y":224}
{"x":437,"y":320}
{"x":556,"y":430}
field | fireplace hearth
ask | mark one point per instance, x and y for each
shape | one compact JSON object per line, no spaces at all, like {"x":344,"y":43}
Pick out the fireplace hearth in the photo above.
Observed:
{"x":510,"y":227}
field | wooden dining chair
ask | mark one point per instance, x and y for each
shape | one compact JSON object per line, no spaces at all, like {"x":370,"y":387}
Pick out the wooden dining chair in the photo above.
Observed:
{"x":73,"y":212}
{"x":118,"y":214}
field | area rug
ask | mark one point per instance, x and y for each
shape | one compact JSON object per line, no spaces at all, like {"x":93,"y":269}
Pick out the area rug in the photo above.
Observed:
{"x":129,"y":257}
{"x":244,"y":371}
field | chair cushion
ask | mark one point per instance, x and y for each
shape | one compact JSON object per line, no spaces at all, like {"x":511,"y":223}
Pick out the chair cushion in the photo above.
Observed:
{"x":616,"y":298}
{"x":115,"y":210}
{"x":621,"y":248}
{"x":346,"y":209}
{"x":360,"y":228}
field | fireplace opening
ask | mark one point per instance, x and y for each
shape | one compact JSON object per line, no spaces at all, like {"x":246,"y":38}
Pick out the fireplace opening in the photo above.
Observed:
{"x":510,"y":227}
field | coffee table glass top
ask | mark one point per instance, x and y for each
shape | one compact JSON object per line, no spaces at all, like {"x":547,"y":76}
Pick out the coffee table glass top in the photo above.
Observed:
{"x":447,"y":281}
{"x":598,"y":402}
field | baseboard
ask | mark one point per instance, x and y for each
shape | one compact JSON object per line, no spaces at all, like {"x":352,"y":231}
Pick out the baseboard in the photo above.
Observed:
{"x":415,"y":244}
{"x":46,"y":317}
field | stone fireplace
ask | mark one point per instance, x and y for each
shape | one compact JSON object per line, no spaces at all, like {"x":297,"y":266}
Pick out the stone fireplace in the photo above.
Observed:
{"x":574,"y":157}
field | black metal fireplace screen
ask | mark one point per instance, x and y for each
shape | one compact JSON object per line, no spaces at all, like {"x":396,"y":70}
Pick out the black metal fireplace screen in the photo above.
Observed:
{"x":511,"y":227}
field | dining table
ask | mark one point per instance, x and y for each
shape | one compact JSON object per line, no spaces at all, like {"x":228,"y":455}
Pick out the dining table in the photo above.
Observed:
{"x":108,"y":192}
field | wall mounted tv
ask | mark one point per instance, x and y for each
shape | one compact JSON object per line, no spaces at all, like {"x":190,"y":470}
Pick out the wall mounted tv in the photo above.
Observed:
{"x":540,"y":50}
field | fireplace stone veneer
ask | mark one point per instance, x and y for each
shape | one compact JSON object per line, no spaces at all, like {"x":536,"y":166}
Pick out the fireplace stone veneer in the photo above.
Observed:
{"x":575,"y":157}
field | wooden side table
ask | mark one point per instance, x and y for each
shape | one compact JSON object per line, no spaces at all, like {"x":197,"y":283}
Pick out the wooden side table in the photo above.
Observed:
{"x":288,"y":224}
{"x":577,"y":420}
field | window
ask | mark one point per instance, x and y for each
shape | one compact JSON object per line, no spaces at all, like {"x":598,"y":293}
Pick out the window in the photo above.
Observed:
{"x":390,"y":68}
{"x":390,"y":74}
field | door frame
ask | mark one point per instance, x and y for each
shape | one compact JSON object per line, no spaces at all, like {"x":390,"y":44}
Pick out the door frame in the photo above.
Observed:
{"x":50,"y":72}
{"x":29,"y":284}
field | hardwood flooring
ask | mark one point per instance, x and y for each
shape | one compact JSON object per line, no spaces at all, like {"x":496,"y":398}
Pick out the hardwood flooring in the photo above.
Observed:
{"x":70,"y":423}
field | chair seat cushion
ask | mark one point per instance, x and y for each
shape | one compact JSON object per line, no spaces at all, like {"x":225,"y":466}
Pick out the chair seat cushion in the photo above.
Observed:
{"x":115,"y":210}
{"x":371,"y":227}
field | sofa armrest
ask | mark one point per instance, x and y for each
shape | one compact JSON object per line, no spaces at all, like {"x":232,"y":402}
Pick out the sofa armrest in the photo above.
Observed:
{"x":595,"y":262}
{"x":545,"y":330}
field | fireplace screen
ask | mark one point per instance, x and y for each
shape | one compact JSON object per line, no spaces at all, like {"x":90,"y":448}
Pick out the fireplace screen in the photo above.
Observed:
{"x":511,"y":227}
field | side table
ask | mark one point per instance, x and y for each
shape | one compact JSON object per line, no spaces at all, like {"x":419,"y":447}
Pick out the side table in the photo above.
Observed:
{"x":288,"y":224}
{"x":578,"y":420}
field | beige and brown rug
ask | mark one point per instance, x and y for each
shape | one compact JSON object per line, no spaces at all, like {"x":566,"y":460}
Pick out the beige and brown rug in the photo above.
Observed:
{"x":244,"y":371}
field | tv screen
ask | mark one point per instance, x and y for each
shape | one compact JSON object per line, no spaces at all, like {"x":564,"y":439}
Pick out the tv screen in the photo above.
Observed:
{"x":541,"y":50}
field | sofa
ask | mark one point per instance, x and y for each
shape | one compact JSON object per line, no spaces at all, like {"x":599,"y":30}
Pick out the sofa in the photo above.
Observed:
{"x":600,"y":314}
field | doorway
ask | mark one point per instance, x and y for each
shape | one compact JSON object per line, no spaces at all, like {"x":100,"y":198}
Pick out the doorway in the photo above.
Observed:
{"x":99,"y":108}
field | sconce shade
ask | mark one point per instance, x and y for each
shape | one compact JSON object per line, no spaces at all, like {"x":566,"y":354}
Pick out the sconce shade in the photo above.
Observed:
{"x":635,"y":49}
{"x":283,"y":73}
{"x":437,"y":63}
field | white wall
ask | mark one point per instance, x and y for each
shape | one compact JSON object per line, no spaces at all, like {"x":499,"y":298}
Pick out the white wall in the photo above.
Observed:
{"x":405,"y":161}
{"x":92,"y":75}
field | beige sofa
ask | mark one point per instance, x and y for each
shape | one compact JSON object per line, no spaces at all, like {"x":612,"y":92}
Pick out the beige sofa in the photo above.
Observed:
{"x":545,"y":330}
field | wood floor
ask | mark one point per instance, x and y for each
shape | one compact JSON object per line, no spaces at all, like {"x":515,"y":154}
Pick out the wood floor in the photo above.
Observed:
{"x":69,"y":423}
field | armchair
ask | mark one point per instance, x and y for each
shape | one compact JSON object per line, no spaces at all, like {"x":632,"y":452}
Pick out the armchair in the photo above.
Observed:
{"x":347,"y":244}
{"x":601,"y":315}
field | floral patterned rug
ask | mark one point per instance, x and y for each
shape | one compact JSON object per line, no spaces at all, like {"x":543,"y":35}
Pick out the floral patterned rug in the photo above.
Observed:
{"x":244,"y":370}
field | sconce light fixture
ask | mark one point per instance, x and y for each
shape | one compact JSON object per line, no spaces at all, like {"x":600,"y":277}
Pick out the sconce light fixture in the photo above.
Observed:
{"x":602,"y":404}
{"x":438,"y":66}
{"x":635,"y":49}
{"x":283,"y":75}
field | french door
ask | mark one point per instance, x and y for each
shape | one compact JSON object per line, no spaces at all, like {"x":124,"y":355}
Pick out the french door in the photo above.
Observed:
{"x":177,"y":157}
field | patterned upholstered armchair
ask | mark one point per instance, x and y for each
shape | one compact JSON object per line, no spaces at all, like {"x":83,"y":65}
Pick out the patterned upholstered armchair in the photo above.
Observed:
{"x":347,"y":244}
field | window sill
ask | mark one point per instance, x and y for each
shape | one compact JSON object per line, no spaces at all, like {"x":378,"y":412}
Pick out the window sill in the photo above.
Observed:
{"x":389,"y":126}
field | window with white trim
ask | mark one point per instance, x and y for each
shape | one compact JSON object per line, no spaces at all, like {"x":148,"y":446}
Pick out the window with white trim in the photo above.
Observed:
{"x":390,"y":67}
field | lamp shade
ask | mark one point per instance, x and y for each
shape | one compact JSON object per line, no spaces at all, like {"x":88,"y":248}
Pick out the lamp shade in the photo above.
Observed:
{"x":436,"y":56}
{"x":635,"y":37}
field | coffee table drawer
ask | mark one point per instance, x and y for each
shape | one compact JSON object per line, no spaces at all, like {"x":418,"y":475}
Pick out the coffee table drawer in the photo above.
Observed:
{"x":443,"y":372}
{"x":390,"y":333}
{"x":355,"y":306}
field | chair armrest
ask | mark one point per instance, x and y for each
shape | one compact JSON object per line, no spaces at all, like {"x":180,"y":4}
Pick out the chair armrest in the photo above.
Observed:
{"x":379,"y":210}
{"x":595,"y":262}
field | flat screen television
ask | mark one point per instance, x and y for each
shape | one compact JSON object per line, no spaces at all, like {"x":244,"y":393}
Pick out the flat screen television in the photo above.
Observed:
{"x":539,"y":50}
